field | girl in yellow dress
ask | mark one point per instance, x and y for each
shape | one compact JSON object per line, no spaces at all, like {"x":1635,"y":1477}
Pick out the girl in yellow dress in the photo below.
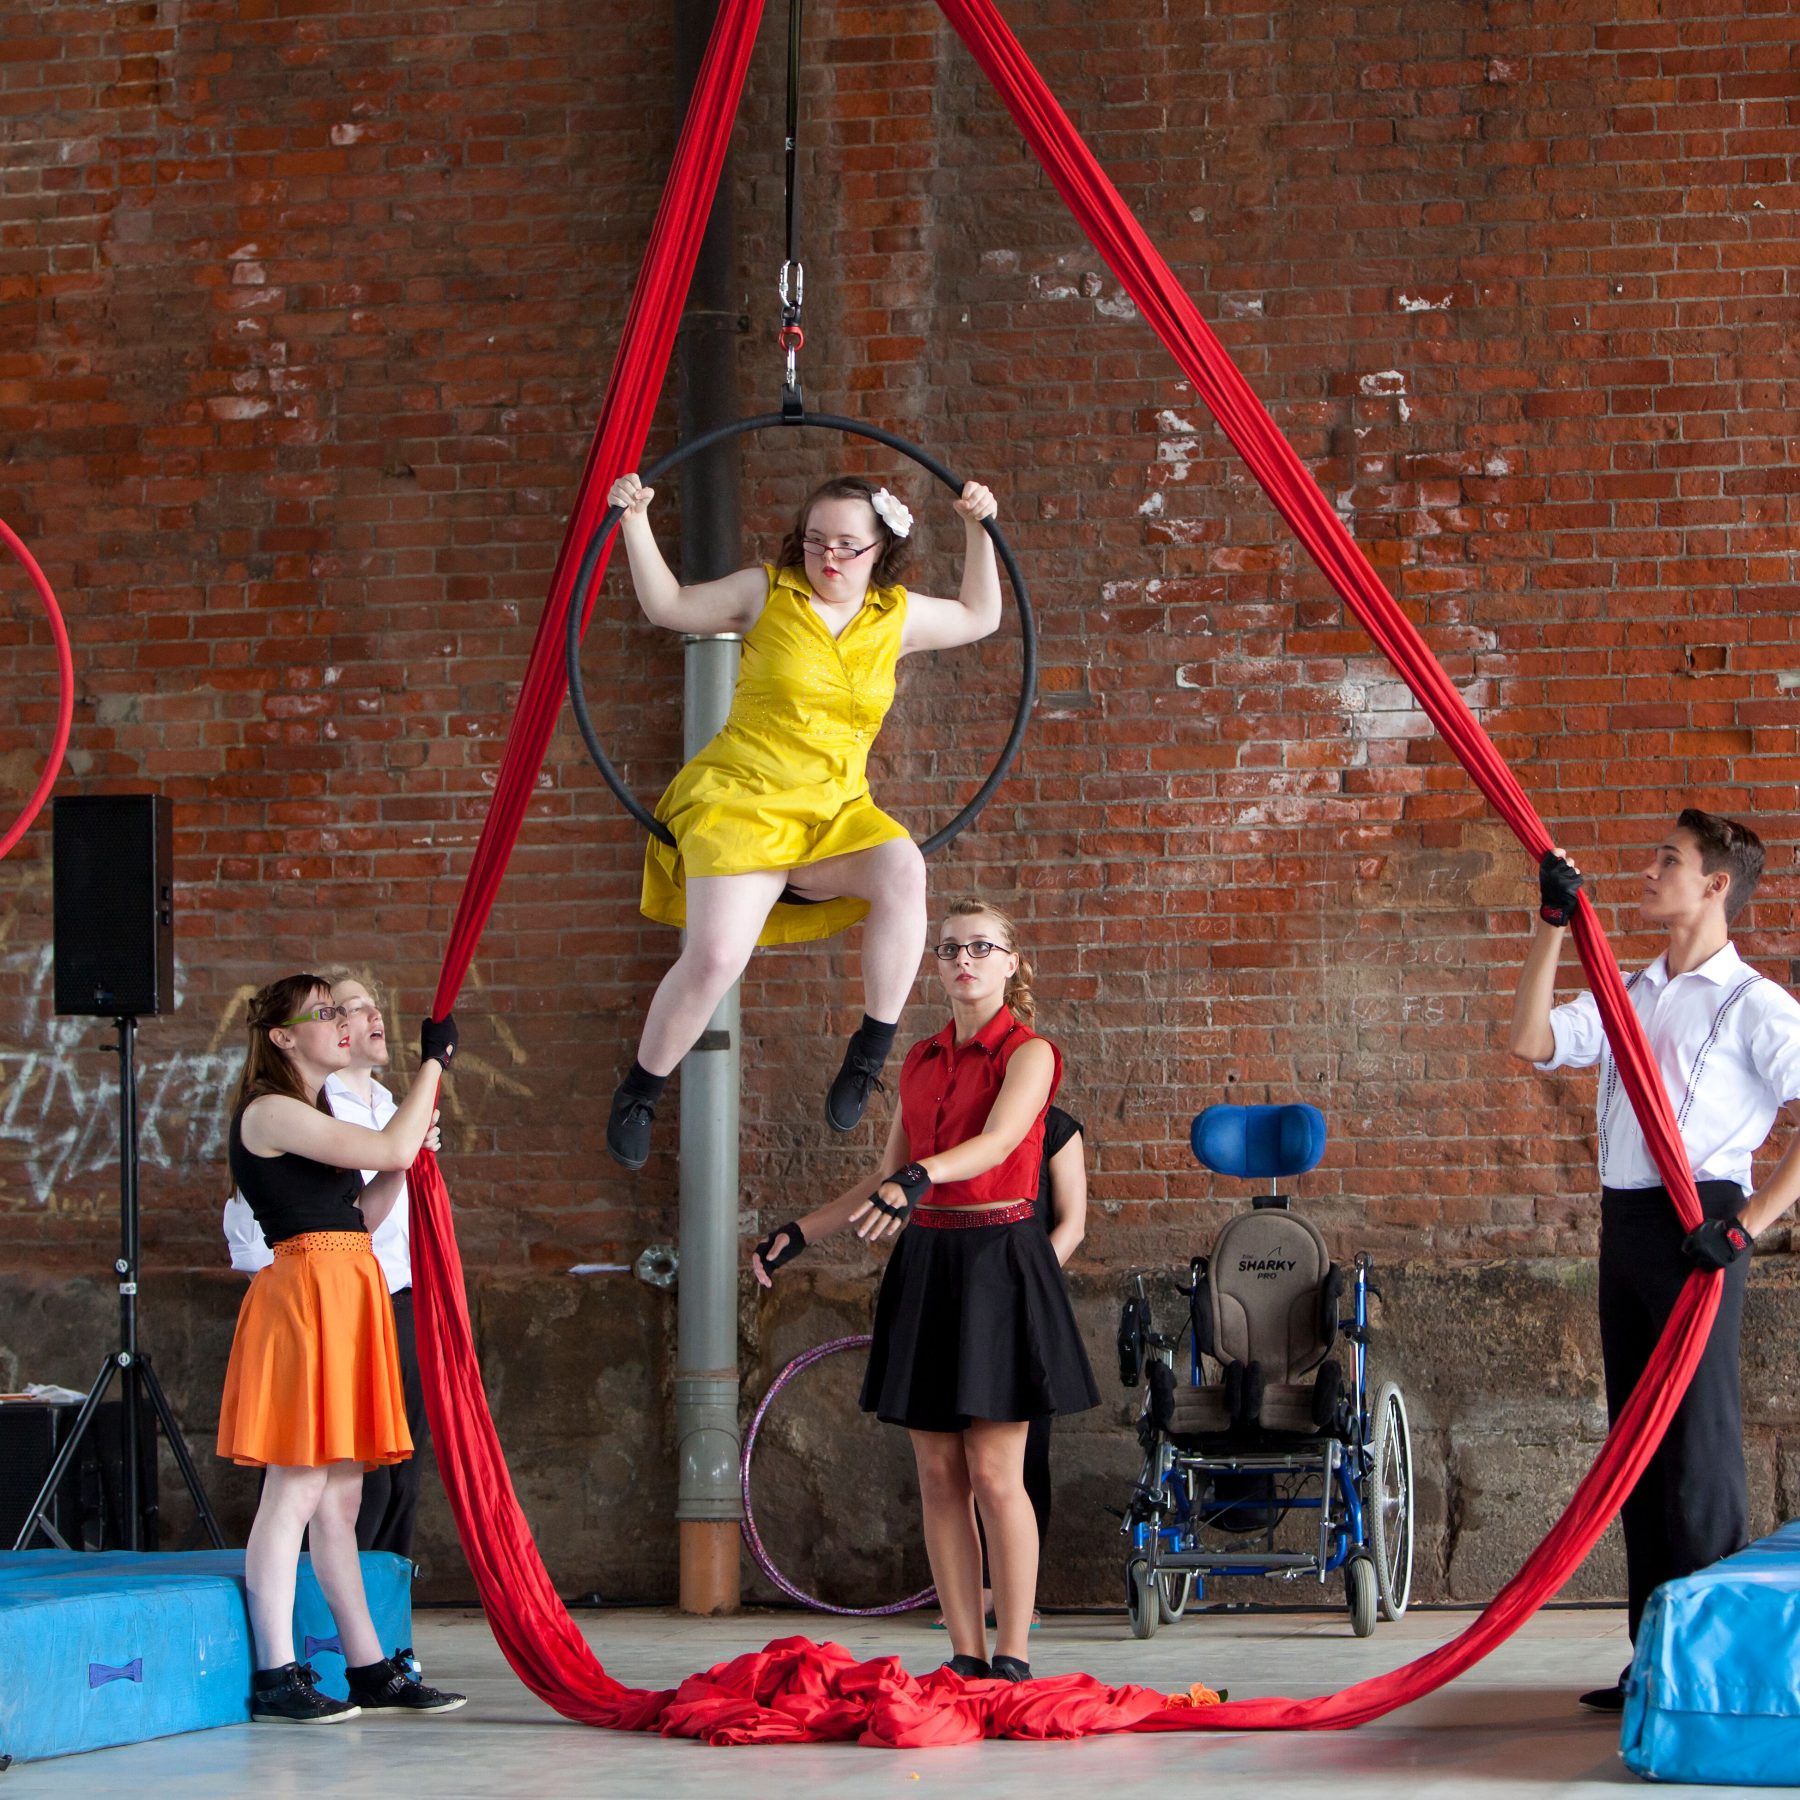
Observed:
{"x":779,"y":801}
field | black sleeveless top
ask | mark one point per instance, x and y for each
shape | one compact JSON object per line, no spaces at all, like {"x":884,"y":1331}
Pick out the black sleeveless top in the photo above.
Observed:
{"x":292,"y":1194}
{"x":1059,"y":1128}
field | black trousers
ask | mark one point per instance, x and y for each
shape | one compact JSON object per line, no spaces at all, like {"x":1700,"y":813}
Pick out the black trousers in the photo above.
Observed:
{"x":390,"y":1496}
{"x":1691,"y":1505}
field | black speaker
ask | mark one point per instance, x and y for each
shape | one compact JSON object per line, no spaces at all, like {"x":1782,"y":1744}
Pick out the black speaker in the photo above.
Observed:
{"x":88,"y":1508}
{"x":115,"y":904}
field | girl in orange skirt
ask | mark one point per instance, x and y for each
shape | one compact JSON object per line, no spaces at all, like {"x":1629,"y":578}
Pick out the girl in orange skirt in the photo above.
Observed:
{"x":312,"y":1393}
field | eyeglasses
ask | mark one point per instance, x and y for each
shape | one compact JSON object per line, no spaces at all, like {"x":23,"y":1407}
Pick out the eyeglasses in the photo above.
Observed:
{"x":842,"y":551}
{"x":979,"y":948}
{"x":360,"y":1009}
{"x":323,"y":1015}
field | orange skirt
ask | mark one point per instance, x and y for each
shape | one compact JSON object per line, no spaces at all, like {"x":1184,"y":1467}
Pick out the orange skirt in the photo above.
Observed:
{"x":314,"y":1375}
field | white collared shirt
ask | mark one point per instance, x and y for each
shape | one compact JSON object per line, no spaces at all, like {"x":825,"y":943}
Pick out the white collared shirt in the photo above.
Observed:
{"x":391,"y":1240}
{"x":1727,"y":1041}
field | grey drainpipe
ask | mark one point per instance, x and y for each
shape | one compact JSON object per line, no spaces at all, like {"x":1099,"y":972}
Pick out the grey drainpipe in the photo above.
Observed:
{"x":708,"y":1507}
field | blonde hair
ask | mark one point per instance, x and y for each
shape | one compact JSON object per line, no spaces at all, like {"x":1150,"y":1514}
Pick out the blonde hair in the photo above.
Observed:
{"x":1018,"y":988}
{"x":338,"y":973}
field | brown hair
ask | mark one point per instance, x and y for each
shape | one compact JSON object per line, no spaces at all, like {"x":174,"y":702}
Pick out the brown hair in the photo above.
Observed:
{"x":1018,"y":989}
{"x":1725,"y":844}
{"x":268,"y":1069}
{"x":892,"y":558}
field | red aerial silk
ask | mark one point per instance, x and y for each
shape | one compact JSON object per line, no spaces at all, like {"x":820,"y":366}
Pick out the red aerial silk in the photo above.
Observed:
{"x":795,"y":1690}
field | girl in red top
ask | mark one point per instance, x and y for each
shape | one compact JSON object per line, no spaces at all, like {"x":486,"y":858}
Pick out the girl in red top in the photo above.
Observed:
{"x":974,"y":1334}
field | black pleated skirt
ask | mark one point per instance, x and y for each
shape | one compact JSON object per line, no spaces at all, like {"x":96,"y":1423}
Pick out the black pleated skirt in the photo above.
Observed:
{"x":975,"y":1323}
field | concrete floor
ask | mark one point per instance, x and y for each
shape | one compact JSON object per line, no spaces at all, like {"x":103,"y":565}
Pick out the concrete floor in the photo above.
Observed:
{"x":1510,"y":1727}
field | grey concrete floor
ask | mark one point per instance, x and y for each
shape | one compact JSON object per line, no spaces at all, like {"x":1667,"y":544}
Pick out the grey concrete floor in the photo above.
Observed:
{"x":1510,"y":1727}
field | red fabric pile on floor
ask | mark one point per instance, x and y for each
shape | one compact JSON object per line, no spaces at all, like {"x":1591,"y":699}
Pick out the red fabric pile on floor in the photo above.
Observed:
{"x":796,"y":1691}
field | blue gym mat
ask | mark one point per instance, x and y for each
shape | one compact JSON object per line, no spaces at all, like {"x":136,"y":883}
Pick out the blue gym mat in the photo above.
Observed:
{"x":1714,"y":1690}
{"x":111,"y":1647}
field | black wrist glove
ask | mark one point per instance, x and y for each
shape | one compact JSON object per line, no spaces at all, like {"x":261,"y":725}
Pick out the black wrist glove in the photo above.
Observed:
{"x":1558,"y":884}
{"x":912,"y":1181}
{"x":437,"y":1038}
{"x":1716,"y":1244}
{"x":796,"y":1242}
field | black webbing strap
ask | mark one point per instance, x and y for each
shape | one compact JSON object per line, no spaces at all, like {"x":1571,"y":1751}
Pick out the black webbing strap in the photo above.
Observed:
{"x":793,"y":276}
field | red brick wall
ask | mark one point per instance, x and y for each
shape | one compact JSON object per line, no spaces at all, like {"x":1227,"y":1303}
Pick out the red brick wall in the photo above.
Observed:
{"x":305,"y":310}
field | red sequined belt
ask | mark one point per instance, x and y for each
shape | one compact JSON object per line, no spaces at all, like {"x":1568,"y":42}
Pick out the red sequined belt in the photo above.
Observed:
{"x":966,"y":1218}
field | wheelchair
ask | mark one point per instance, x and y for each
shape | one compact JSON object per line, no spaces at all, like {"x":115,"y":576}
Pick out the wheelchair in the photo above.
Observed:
{"x":1265,"y":1426}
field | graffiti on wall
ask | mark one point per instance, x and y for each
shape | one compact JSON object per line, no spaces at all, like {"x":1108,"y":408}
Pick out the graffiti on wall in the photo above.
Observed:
{"x":59,"y":1103}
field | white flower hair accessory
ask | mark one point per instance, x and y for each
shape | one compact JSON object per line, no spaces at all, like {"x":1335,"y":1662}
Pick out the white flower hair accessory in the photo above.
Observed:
{"x":893,"y":513}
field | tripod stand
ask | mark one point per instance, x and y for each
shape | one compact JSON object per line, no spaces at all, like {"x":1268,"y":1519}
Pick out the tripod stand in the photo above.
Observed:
{"x":128,"y":1362}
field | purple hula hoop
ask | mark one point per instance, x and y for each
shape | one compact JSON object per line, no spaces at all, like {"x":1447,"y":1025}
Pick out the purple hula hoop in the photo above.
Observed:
{"x":752,"y":1537}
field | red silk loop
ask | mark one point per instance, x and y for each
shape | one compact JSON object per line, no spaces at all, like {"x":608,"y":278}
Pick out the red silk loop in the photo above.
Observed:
{"x":796,"y":1691}
{"x":65,"y":689}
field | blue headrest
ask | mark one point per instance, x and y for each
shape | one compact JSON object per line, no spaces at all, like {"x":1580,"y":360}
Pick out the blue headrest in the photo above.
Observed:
{"x":1259,"y":1142}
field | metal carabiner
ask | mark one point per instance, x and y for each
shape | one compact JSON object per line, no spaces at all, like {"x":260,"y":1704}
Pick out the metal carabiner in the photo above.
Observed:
{"x":790,"y":338}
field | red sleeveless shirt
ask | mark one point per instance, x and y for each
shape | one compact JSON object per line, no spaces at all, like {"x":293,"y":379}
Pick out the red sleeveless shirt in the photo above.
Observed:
{"x":947,"y":1091}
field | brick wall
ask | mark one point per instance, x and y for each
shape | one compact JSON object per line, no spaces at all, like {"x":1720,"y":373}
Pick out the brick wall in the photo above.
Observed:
{"x":305,"y":310}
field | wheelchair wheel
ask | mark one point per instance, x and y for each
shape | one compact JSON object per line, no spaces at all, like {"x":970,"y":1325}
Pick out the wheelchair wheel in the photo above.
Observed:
{"x":1141,"y":1599}
{"x":1390,"y":1502}
{"x":1359,"y":1591}
{"x":1174,"y":1588}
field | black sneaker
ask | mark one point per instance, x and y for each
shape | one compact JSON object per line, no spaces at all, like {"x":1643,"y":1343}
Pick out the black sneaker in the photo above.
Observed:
{"x":1011,"y":1668}
{"x":628,"y":1129}
{"x":288,"y":1696}
{"x":390,"y":1686}
{"x":849,"y":1093}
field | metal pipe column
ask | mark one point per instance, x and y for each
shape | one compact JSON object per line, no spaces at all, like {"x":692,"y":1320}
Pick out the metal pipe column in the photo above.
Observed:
{"x":708,"y":1507}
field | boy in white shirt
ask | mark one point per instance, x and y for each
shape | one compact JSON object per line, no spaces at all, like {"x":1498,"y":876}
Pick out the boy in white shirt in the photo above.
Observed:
{"x":390,"y":1498}
{"x":1727,"y":1043}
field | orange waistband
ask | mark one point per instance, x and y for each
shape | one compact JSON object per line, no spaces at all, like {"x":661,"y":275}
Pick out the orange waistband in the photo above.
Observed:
{"x":351,"y":1241}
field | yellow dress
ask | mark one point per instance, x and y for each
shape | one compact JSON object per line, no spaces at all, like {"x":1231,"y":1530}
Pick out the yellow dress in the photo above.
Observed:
{"x":785,"y":782}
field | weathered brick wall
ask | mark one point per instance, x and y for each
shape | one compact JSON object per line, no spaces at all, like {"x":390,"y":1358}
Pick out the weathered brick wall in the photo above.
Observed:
{"x":305,"y":310}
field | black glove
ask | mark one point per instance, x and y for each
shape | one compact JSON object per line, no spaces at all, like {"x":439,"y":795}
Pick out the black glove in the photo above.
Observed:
{"x":437,"y":1038}
{"x":1716,"y":1244}
{"x":796,"y":1242}
{"x":912,"y":1181}
{"x":1558,"y":884}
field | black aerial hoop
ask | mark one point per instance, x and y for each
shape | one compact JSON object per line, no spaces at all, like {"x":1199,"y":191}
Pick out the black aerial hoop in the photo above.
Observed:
{"x":790,"y":339}
{"x":609,"y":523}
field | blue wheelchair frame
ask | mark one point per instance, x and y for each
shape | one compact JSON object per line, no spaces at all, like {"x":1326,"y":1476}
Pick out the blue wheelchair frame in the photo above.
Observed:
{"x":1338,"y":1540}
{"x":1168,"y":1558}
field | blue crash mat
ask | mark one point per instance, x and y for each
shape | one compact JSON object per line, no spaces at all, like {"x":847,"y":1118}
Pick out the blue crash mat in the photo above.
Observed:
{"x":111,"y":1647}
{"x":1714,"y":1690}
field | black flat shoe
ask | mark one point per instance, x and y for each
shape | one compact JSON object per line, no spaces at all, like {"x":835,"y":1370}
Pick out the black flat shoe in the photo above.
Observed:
{"x":970,"y":1668}
{"x":287,"y":1696}
{"x":1011,"y":1668}
{"x":1606,"y":1699}
{"x":628,"y":1129}
{"x":857,"y":1078}
{"x":391,"y":1686}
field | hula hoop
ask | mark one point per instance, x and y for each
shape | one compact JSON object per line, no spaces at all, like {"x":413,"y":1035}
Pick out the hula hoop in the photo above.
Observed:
{"x":752,"y":1537}
{"x":609,"y":523}
{"x":65,"y":676}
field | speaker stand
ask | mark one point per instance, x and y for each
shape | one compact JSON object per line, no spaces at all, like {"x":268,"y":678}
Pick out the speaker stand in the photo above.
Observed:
{"x":137,"y":1378}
